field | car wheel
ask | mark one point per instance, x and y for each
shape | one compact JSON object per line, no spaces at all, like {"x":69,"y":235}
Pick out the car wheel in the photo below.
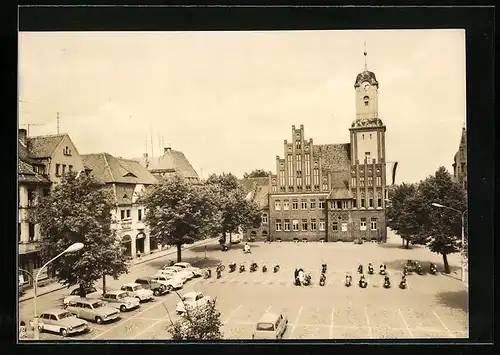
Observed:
{"x":64,"y":332}
{"x":98,"y":320}
{"x":156,"y":292}
{"x":123,"y":308}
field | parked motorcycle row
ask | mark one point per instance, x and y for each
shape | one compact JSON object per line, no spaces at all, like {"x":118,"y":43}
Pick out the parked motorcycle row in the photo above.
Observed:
{"x":232,"y":268}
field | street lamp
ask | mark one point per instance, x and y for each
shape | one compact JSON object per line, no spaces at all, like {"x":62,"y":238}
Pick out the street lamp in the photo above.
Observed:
{"x":463,"y":233}
{"x":71,"y":249}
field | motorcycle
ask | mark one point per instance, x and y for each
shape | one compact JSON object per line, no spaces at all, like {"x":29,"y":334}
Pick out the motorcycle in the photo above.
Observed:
{"x":323,"y":268}
{"x":382,"y":269}
{"x":402,"y":284}
{"x":362,"y":282}
{"x":221,"y":267}
{"x":370,"y":269}
{"x":322,"y":280}
{"x":264,"y":268}
{"x":433,"y":269}
{"x":253,"y":267}
{"x":246,"y":250}
{"x":387,"y":282}
{"x":207,"y":274}
{"x":242,"y":267}
{"x":307,"y":280}
{"x":276,"y":268}
{"x":348,"y":281}
{"x":420,"y":269}
{"x":232,"y":267}
{"x":360,"y":269}
{"x":406,"y":271}
{"x":219,"y":274}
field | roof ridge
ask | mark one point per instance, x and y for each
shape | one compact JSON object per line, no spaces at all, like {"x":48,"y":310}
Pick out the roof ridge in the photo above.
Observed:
{"x":108,"y":166}
{"x":49,"y":135}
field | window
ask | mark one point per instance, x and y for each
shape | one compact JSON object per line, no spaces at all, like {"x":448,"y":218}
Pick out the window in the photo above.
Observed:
{"x":370,"y":181}
{"x":316,"y":176}
{"x":366,"y":100}
{"x":371,"y":202}
{"x":344,"y":227}
{"x":139,"y":215}
{"x":362,"y":203}
{"x":373,"y":224}
{"x":304,"y":224}
{"x":31,"y":231}
{"x":286,"y":205}
{"x":128,"y":213}
{"x":367,"y":157}
{"x":313,"y":204}
{"x":362,"y":181}
{"x":278,"y":225}
{"x":362,"y":225}
{"x":322,"y":204}
{"x":287,"y":225}
{"x":321,"y":224}
{"x":379,"y":181}
{"x":354,"y":203}
{"x":362,"y":136}
{"x":58,"y":169}
{"x":122,"y":214}
{"x":295,"y":204}
{"x":274,"y":188}
{"x":335,"y":226}
{"x":277,"y":205}
{"x":370,"y":136}
{"x":31,"y":197}
{"x":325,"y":187}
{"x":338,"y":204}
{"x":379,"y":202}
{"x":64,"y":169}
{"x":313,"y":224}
{"x":297,"y":144}
{"x":303,"y":204}
{"x":70,"y":168}
{"x":264,"y":218}
{"x":353,"y":182}
{"x":295,"y":225}
{"x":308,"y":169}
{"x":345,"y":205}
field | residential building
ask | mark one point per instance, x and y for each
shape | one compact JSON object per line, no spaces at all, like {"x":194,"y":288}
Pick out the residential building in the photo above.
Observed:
{"x":257,"y":190}
{"x":126,"y":179}
{"x":56,"y":152}
{"x":32,"y":184}
{"x":334,"y":192}
{"x":170,"y":163}
{"x":460,"y":161}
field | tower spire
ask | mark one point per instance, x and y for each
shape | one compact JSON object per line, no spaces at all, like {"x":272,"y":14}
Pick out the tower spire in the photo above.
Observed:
{"x":365,"y":53}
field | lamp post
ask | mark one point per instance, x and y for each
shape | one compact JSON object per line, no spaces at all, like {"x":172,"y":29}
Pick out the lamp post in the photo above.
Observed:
{"x":463,"y":233}
{"x":71,"y":249}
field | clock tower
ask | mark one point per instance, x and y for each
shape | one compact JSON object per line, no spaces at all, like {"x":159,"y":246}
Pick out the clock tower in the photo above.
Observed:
{"x":366,"y":87}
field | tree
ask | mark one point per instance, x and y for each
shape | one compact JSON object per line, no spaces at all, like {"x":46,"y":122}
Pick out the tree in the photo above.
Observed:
{"x":237,"y":211}
{"x":178,"y":212}
{"x":257,"y":173}
{"x":403,"y":216}
{"x":442,"y":226}
{"x":200,"y":323}
{"x":79,"y":209}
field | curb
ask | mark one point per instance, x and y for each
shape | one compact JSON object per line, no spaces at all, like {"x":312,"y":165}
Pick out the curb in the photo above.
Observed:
{"x":170,"y":251}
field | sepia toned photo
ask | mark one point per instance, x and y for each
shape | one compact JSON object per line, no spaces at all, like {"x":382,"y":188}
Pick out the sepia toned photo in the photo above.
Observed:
{"x":242,"y":185}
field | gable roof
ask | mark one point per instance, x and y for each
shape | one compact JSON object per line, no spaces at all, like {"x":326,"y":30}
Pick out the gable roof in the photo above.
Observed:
{"x":333,"y":157}
{"x":171,"y":161}
{"x":43,"y":146}
{"x":23,"y":154}
{"x":27,"y":174}
{"x":109,"y":169}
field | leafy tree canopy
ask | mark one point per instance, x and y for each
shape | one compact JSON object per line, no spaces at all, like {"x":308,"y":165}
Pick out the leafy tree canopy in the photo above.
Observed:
{"x":80,"y":210}
{"x":257,"y":173}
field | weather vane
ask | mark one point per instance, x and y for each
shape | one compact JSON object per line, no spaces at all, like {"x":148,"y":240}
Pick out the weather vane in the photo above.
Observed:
{"x":365,"y":53}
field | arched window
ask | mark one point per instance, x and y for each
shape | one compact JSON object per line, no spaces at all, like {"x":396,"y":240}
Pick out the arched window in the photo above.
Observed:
{"x":264,"y":233}
{"x":366,"y":100}
{"x":264,"y":218}
{"x":253,"y":233}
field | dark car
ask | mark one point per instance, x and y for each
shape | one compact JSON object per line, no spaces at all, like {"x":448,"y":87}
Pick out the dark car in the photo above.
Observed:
{"x":149,"y":283}
{"x":414,"y":266}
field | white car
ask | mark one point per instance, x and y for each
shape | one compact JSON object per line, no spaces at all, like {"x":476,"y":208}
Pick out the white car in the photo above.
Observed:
{"x":173,"y":274}
{"x":191,"y":300}
{"x":120,"y":300}
{"x":183,"y":274}
{"x":171,"y":281}
{"x":188,"y":267}
{"x":137,"y":291}
{"x":91,"y":292}
{"x":236,"y":238}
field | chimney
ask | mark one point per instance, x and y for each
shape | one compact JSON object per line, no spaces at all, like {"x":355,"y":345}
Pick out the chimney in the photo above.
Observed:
{"x":23,"y":136}
{"x":166,"y":150}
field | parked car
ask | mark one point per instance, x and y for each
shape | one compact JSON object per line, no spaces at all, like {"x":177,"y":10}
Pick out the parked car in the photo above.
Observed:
{"x":270,"y":326}
{"x":188,"y":267}
{"x":184,"y":273}
{"x":148,"y":283}
{"x":137,"y":291}
{"x":92,"y":310}
{"x":236,"y":238}
{"x":90,"y":292}
{"x":120,"y":300}
{"x":174,"y":273}
{"x":60,"y":321}
{"x":171,"y":281}
{"x":191,"y":300}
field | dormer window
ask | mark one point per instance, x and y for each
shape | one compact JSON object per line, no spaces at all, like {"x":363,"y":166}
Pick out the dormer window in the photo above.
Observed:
{"x":366,"y":99}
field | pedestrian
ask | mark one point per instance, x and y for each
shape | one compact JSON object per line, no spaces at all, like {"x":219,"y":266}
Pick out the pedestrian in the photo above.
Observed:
{"x":296,"y":273}
{"x":138,"y":254}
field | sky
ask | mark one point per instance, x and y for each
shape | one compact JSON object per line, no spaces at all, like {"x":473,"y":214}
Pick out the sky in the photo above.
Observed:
{"x":227,"y":100}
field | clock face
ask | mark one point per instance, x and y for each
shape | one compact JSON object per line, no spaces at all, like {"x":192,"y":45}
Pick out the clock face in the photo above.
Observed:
{"x":365,"y":86}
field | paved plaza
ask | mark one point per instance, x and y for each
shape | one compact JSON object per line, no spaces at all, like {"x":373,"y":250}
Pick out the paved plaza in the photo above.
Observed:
{"x":433,"y":306}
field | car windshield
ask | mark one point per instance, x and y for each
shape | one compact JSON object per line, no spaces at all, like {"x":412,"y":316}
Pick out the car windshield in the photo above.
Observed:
{"x":265,"y":326}
{"x":65,"y":315}
{"x":187,"y":299}
{"x":97,"y":304}
{"x":121,"y":296}
{"x":137,"y":288}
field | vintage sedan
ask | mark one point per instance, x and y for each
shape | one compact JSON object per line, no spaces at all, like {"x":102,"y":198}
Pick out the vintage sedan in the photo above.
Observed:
{"x":188,"y":267}
{"x":92,"y":310}
{"x":60,"y":321}
{"x":120,"y":300}
{"x":171,"y":281}
{"x":136,"y":290}
{"x":191,"y":300}
{"x":173,"y":273}
{"x":185,"y":274}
